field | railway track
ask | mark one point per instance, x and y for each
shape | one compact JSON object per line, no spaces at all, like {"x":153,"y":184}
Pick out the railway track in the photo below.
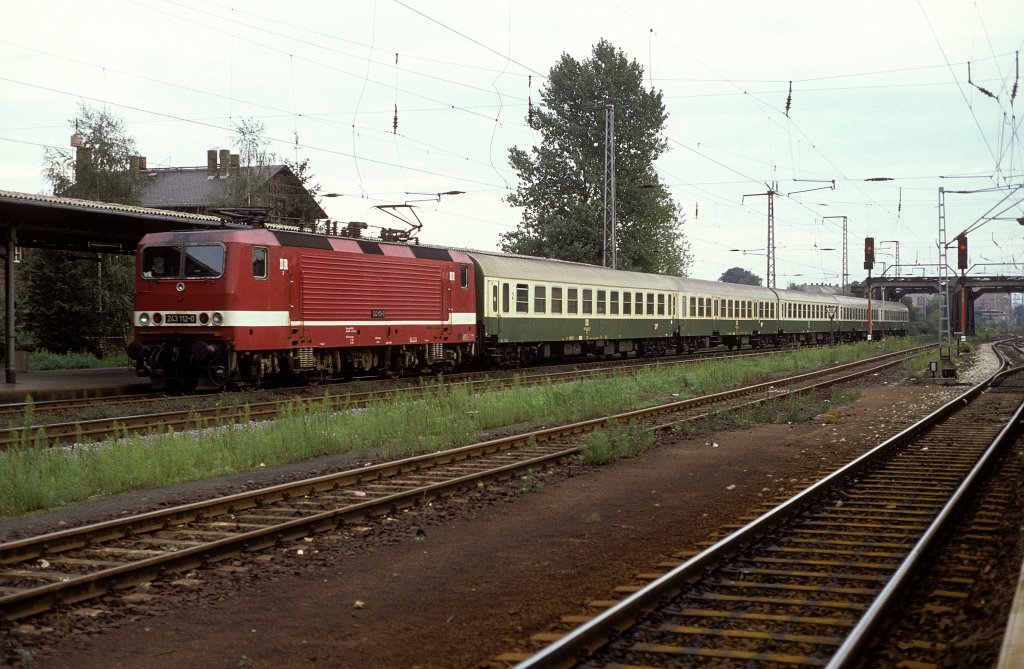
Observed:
{"x":140,"y":416}
{"x":58,"y":569}
{"x":811,"y":582}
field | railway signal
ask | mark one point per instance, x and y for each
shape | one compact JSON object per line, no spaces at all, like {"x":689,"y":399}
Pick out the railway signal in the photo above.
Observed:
{"x":961,"y":252}
{"x":869,"y":253}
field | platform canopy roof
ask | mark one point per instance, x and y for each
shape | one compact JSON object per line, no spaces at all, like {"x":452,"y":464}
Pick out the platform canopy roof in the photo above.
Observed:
{"x":45,"y":221}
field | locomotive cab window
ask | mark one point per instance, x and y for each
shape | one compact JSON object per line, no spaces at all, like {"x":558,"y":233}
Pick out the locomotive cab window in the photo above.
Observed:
{"x":464,"y":276}
{"x":193,"y":261}
{"x":259,"y":263}
{"x":204,"y":261}
{"x":161,"y":262}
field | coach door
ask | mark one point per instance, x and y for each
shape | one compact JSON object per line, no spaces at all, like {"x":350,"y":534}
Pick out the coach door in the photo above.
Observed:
{"x":492,"y":311}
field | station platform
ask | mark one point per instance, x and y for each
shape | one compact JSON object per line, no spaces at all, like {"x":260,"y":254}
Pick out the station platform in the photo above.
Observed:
{"x":71,"y":384}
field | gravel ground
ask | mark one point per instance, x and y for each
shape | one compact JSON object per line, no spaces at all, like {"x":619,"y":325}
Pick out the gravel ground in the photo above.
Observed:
{"x":462,"y":580}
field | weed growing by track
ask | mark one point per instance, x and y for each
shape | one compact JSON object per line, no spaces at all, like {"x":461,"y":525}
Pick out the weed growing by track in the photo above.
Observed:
{"x":33,"y":476}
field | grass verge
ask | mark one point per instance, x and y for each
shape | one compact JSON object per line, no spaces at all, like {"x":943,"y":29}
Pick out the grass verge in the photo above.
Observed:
{"x":33,"y":476}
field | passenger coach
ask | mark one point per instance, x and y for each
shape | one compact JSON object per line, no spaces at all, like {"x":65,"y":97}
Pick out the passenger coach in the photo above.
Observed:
{"x":241,"y":306}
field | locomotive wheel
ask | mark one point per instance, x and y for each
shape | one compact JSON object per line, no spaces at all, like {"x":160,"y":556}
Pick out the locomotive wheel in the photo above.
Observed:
{"x":218,"y":372}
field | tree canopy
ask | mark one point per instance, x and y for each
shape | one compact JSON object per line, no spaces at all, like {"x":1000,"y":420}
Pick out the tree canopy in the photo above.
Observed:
{"x":561,"y":180}
{"x":740,"y":275}
{"x":75,"y":301}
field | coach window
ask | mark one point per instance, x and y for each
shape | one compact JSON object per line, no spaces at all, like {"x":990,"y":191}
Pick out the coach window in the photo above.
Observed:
{"x":522,"y":298}
{"x":693,"y":307}
{"x":661,"y":304}
{"x":494,"y":298}
{"x":573,"y":301}
{"x":464,"y":275}
{"x":588,"y":301}
{"x":650,"y":304}
{"x":504,"y":297}
{"x":540,"y":300}
{"x":556,"y":299}
{"x":613,"y":303}
{"x":627,"y":304}
{"x":259,"y":262}
{"x":601,"y":296}
{"x":639,"y":304}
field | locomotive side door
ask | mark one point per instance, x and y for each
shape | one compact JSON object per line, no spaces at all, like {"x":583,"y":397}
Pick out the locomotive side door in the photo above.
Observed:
{"x":446,"y":298}
{"x":293,"y":272}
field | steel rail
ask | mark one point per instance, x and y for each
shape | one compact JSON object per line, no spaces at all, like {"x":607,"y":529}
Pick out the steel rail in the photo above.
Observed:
{"x":852,"y":649}
{"x":101,"y":428}
{"x":29,"y":602}
{"x":593,"y":634}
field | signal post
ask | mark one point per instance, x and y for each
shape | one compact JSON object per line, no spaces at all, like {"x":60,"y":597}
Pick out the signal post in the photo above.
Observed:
{"x":869,"y":263}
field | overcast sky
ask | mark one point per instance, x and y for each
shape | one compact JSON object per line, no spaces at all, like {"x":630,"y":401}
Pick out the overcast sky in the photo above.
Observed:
{"x":879,"y":90}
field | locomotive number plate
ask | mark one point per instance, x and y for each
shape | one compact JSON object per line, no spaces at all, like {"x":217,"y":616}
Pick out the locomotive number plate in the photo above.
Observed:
{"x":377,"y":313}
{"x":179,"y":318}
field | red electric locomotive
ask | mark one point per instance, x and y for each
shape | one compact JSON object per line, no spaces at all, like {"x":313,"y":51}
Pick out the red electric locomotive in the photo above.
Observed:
{"x":241,"y":306}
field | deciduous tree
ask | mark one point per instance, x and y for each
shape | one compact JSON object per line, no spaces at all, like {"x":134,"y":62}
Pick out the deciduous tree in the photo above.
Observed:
{"x":740,"y":275}
{"x":561,"y":179}
{"x":77,"y":300}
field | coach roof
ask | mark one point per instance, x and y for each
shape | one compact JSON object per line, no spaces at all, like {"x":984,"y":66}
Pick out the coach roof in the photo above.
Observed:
{"x":562,"y":271}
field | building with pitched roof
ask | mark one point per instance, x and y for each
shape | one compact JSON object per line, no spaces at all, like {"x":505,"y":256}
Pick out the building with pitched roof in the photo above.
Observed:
{"x":223,"y":184}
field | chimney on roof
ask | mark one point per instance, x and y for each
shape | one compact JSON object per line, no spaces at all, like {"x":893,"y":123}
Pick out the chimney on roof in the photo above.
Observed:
{"x":133,"y":164}
{"x":225,"y":159}
{"x":235,"y":162}
{"x":211,"y":163}
{"x":142,"y":163}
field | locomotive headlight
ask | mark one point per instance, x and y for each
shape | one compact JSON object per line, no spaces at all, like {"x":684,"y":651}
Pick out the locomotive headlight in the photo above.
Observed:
{"x":218,"y":318}
{"x":204,"y":318}
{"x":143,"y":319}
